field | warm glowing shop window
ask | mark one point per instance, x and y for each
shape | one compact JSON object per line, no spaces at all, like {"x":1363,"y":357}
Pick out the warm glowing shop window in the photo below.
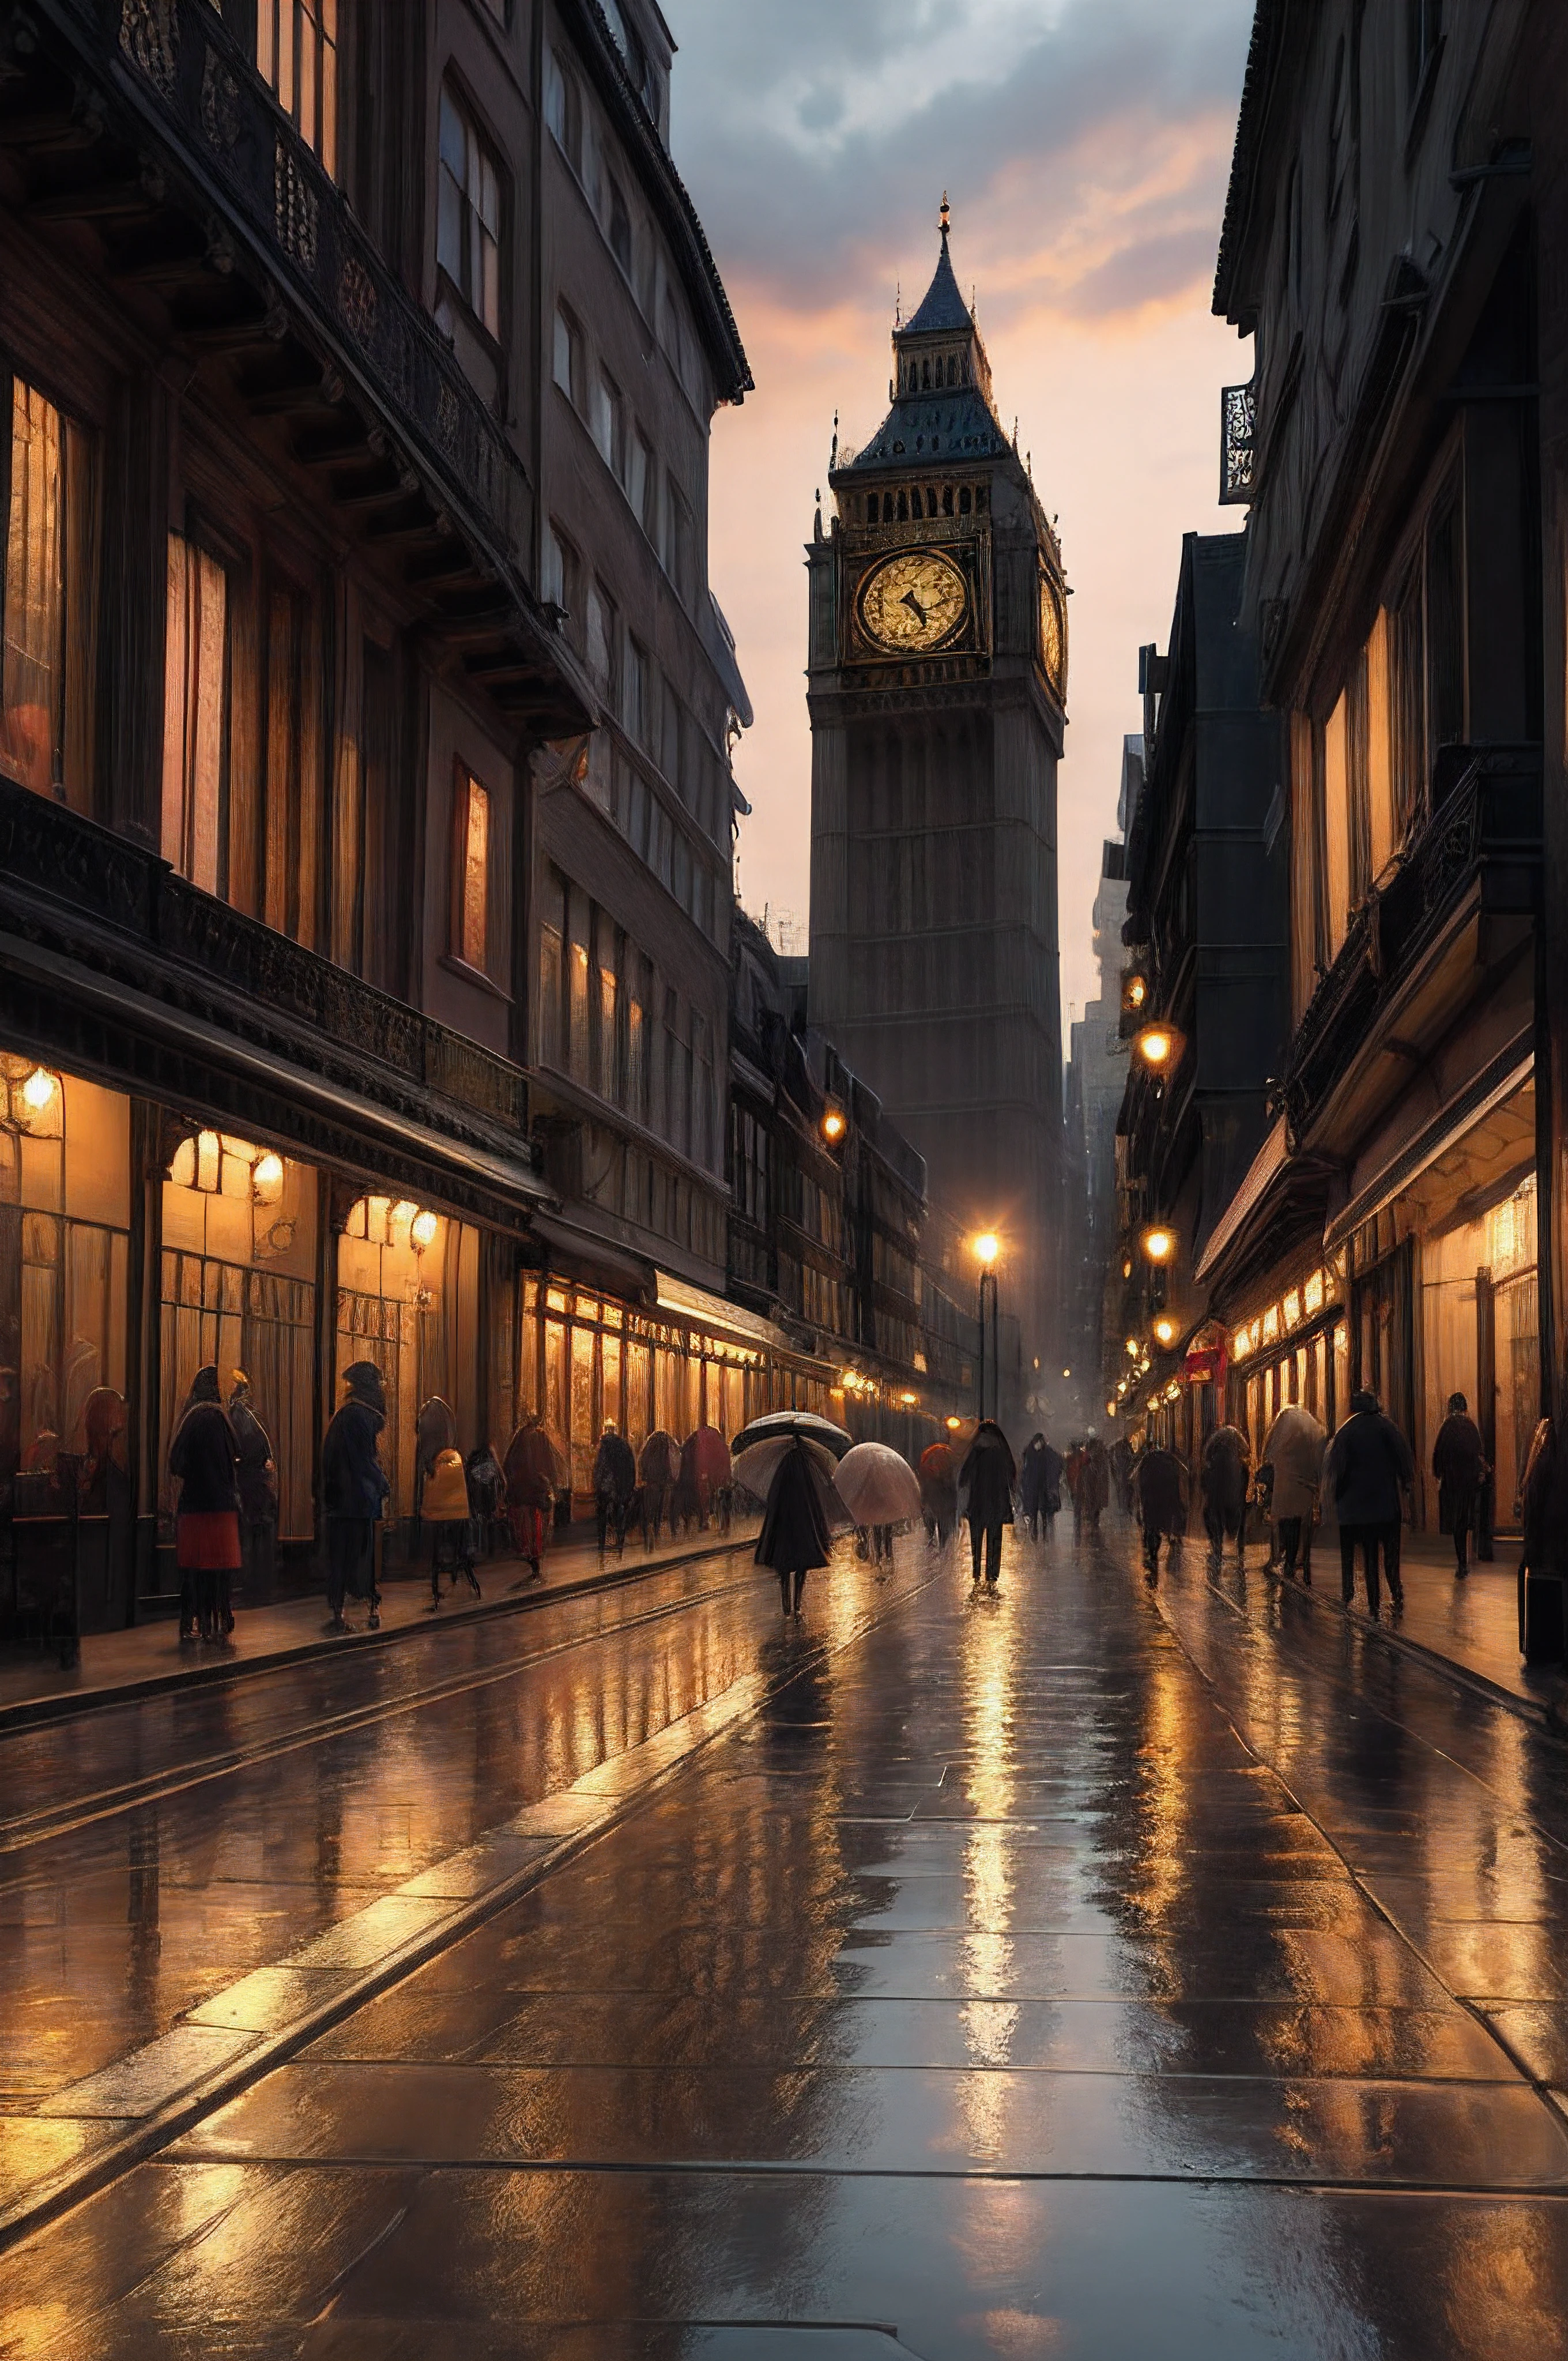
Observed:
{"x":46,"y":599}
{"x":195,"y":716}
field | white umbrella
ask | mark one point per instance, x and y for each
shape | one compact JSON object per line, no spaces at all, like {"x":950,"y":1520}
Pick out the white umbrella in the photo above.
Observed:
{"x":803,"y":1423}
{"x":754,"y":1468}
{"x":876,"y":1486}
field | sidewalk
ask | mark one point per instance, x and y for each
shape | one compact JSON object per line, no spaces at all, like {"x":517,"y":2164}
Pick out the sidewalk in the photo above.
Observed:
{"x":117,"y":1665}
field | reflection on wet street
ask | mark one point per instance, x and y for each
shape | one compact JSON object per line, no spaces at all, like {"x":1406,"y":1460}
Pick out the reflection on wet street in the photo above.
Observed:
{"x":1073,"y":1972}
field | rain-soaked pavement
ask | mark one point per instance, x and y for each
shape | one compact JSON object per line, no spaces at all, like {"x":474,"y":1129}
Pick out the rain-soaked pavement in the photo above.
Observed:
{"x":1075,"y":1973}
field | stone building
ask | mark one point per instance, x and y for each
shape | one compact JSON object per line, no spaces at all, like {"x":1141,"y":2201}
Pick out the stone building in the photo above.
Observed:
{"x":938,"y":672}
{"x":1094,"y":1085}
{"x":1392,"y":245}
{"x":364,"y":727}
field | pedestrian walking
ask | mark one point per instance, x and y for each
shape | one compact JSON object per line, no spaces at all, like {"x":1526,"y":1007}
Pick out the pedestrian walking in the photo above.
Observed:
{"x":794,"y":1538}
{"x":1459,"y":1462}
{"x":531,"y":1473}
{"x":353,"y":1493}
{"x":1293,"y":1451}
{"x":1121,"y":1467}
{"x":204,"y":1459}
{"x":987,"y":1478}
{"x":658,"y":1472}
{"x":1039,"y":1484}
{"x":1159,"y":1496}
{"x":448,"y":1511}
{"x":1371,"y":1471}
{"x":1226,"y":1466}
{"x":939,"y":1493}
{"x":258,"y":1486}
{"x":615,"y":1487}
{"x":1093,"y":1497}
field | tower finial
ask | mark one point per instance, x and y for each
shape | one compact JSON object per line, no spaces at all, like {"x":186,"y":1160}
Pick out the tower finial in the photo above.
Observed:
{"x":898,"y":303}
{"x":945,"y":210}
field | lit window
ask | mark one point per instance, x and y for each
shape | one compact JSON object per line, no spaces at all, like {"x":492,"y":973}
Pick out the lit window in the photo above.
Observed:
{"x":195,"y":716}
{"x":471,"y":931}
{"x":296,"y":53}
{"x":468,"y":228}
{"x":32,"y":708}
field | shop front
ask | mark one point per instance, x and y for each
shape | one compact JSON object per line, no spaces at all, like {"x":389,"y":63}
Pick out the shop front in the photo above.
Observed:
{"x":1295,"y":1348}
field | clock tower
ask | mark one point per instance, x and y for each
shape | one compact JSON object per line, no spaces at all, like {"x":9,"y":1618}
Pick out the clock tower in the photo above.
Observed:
{"x":938,"y":684}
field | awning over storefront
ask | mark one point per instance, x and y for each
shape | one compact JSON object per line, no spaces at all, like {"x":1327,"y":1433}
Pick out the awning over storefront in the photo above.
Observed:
{"x":579,"y":1254}
{"x":684,"y":1302}
{"x":1267,"y":1165}
{"x":1499,"y":1081}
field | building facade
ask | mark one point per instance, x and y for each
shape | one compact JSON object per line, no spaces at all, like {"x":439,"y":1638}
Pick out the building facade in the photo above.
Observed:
{"x":937,"y":669}
{"x":1387,"y":246}
{"x":1095,"y":1085}
{"x":364,"y":731}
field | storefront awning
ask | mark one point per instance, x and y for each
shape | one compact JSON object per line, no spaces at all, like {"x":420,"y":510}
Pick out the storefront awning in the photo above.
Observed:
{"x":1496,"y":1083}
{"x":684,"y":1302}
{"x":579,"y":1254}
{"x":1267,"y":1165}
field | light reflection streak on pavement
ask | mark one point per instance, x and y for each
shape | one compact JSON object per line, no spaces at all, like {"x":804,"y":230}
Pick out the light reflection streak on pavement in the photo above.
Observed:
{"x":1073,"y":1973}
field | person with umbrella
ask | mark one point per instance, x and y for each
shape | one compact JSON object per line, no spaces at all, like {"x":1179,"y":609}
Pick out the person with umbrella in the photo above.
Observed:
{"x":615,"y":1486}
{"x":987,"y":1477}
{"x":205,"y":1457}
{"x":1226,"y":1468}
{"x":879,"y":1489}
{"x":530,"y":1472}
{"x":657,"y":1473}
{"x":794,"y":1538}
{"x":1294,"y":1450}
{"x":1039,"y":1484}
{"x":353,"y":1493}
{"x":939,"y":1493}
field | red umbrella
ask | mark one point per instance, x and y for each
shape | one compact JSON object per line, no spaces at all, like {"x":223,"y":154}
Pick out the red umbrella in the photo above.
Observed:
{"x":936,"y":1463}
{"x":705,"y":1458}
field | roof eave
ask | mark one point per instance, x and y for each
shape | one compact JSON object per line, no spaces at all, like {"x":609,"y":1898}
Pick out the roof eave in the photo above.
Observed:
{"x":1270,"y":26}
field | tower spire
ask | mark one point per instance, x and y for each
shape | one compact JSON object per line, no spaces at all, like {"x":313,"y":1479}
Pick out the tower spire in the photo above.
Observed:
{"x":945,"y":211}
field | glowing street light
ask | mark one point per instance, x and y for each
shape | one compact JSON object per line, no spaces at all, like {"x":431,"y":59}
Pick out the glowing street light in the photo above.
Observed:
{"x":422,"y":1229}
{"x":953,"y":1425}
{"x":1157,"y":1046}
{"x":1137,"y":991}
{"x":1133,"y":1348}
{"x":833,"y":1124}
{"x":1158,"y":1244}
{"x":38,"y":1091}
{"x":987,"y":1246}
{"x":1165,"y":1329}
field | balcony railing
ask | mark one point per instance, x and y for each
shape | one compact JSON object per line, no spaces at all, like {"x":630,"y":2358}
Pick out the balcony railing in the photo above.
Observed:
{"x":120,"y":911}
{"x":188,"y":79}
{"x":1487,"y":827}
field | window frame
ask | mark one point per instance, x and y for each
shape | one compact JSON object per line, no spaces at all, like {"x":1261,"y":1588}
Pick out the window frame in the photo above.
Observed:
{"x":466,"y":785}
{"x":325,"y":78}
{"x":478,"y":144}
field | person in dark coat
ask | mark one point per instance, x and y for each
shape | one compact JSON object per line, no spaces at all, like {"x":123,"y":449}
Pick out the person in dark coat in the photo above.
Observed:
{"x":1226,"y":1467}
{"x":1159,"y":1495}
{"x":658,"y":1472}
{"x":1093,"y":1497}
{"x":530,"y":1472}
{"x":204,"y":1458}
{"x":794,"y":1537}
{"x":353,"y":1493}
{"x":1120,"y":1458}
{"x":938,"y":1493}
{"x":1039,"y":1484}
{"x":988,"y":1477}
{"x":257,"y":1484}
{"x":1459,"y":1462}
{"x":1370,"y":1471}
{"x":615,"y":1486}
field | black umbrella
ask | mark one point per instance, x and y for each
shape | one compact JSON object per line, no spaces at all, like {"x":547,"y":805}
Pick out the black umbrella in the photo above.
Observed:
{"x":803,"y":1423}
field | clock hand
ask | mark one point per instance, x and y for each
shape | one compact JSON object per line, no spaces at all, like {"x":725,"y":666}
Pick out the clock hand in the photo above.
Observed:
{"x":909,"y":600}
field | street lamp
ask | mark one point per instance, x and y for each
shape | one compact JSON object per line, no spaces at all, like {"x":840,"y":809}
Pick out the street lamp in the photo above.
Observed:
{"x":1159,"y":1046}
{"x":1158,"y":1244}
{"x":833,"y":1126}
{"x":1165,"y":1329}
{"x":986,"y":1248}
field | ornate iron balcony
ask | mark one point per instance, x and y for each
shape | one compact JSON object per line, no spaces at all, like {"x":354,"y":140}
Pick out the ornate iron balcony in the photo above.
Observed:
{"x":1238,"y":443}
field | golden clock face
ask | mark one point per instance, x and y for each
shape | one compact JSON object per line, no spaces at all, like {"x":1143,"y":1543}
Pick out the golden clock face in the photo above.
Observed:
{"x":914,"y":602}
{"x":1052,"y":635}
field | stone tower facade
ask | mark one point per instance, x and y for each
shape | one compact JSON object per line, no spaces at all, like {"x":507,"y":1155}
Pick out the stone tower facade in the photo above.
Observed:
{"x":937,"y":685}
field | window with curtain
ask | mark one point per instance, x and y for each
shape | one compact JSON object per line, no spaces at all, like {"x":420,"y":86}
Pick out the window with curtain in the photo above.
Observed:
{"x":296,"y":54}
{"x":195,"y":716}
{"x":471,"y":868}
{"x":468,"y":222}
{"x":46,"y":614}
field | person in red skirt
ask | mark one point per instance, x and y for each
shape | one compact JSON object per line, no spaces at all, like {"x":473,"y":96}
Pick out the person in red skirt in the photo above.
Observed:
{"x":204,"y":1458}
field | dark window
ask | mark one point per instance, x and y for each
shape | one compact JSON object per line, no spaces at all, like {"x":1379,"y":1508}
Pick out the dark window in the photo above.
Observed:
{"x":1445,"y":628}
{"x":619,"y":229}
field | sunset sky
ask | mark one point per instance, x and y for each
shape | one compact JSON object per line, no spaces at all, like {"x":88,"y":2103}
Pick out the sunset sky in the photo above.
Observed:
{"x":1084,"y":144}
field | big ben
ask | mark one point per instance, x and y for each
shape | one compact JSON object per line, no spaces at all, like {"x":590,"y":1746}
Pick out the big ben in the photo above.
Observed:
{"x":937,"y":685}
